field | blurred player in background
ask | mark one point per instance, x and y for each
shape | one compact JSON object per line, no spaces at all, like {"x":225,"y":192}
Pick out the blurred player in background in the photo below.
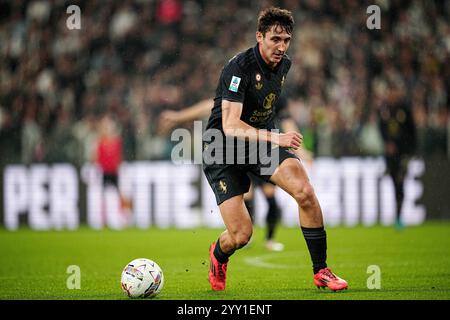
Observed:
{"x":109,"y":150}
{"x":171,"y":119}
{"x":399,"y":134}
{"x":109,"y":158}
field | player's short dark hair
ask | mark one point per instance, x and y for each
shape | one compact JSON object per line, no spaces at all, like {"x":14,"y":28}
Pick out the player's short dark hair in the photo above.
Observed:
{"x":275,"y":16}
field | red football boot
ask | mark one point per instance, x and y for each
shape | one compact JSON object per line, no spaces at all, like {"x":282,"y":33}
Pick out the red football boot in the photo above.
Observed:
{"x":217,"y":271}
{"x":326,"y":278}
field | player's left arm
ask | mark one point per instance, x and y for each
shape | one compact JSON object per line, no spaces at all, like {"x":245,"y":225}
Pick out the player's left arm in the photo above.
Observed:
{"x":235,"y":127}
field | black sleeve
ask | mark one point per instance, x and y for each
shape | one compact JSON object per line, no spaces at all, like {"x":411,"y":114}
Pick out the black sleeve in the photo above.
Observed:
{"x":233,"y":82}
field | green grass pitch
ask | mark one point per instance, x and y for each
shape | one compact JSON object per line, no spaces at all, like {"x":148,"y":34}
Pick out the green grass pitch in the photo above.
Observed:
{"x":414,"y":263}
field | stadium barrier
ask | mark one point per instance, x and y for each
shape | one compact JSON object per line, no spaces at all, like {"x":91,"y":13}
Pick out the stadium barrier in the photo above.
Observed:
{"x":351,"y":191}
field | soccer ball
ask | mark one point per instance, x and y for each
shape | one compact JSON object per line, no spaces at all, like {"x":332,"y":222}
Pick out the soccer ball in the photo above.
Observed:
{"x":142,"y":278}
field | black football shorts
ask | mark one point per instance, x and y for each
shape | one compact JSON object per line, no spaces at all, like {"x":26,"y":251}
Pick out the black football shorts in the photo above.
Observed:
{"x":229,"y":180}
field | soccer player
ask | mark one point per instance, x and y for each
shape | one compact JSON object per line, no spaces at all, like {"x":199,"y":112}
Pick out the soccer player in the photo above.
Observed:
{"x":399,"y":134}
{"x":245,"y":97}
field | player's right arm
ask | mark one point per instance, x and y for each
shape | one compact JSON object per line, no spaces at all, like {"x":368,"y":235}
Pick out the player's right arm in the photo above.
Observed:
{"x":234,"y":126}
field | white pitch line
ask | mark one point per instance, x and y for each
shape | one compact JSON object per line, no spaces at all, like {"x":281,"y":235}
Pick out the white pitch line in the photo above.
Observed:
{"x":260,"y":261}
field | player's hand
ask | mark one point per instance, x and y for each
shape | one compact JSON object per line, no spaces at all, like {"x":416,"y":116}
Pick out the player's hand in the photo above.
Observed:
{"x":290,"y":139}
{"x":167,"y":121}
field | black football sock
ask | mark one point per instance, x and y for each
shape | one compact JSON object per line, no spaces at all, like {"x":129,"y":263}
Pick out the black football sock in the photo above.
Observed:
{"x":249,"y":205}
{"x":270,"y":230}
{"x":221,"y":256}
{"x":272,"y":217}
{"x":316,"y":240}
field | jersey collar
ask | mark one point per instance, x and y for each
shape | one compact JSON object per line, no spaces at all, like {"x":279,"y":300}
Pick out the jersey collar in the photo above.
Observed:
{"x":262,"y":64}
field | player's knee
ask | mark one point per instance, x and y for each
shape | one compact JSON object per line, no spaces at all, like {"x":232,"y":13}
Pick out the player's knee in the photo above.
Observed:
{"x":242,"y":238}
{"x":304,"y":195}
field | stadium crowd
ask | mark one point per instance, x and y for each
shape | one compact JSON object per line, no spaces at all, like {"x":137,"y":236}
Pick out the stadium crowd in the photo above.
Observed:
{"x":134,"y":59}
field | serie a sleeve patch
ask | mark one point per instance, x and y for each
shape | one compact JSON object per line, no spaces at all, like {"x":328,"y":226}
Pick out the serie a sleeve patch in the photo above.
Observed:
{"x":234,"y":84}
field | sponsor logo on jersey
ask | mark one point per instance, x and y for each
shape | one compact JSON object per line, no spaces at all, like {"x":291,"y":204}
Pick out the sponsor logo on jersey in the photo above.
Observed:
{"x":258,"y":78}
{"x":234,"y":85}
{"x":269,"y":100}
{"x":260,"y":116}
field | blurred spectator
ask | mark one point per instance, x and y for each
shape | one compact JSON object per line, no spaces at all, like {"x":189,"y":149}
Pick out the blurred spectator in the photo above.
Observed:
{"x":32,"y":135}
{"x":62,"y":145}
{"x":371,"y":141}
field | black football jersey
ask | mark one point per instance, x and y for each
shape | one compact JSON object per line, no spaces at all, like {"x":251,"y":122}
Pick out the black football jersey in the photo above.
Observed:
{"x":246,"y":78}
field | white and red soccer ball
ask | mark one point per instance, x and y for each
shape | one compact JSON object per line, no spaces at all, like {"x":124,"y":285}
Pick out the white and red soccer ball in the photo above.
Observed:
{"x":142,"y":278}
